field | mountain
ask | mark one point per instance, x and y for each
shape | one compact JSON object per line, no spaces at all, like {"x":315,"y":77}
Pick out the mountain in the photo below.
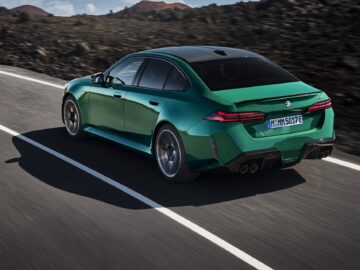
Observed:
{"x":31,"y":10}
{"x":152,"y":5}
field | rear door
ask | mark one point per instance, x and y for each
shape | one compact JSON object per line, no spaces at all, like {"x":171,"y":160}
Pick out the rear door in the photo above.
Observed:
{"x":108,"y":102}
{"x":145,"y":101}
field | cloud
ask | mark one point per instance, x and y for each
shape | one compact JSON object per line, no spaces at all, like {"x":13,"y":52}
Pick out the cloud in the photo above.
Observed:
{"x":90,"y":9}
{"x":56,"y":7}
{"x":60,"y":8}
{"x":125,"y":3}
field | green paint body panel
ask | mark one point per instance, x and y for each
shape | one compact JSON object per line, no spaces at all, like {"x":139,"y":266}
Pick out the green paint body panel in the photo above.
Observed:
{"x":132,"y":120}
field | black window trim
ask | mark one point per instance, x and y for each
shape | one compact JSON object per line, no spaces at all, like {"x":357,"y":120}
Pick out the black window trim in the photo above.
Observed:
{"x":149,"y":57}
{"x":168,"y":76}
{"x":141,"y":72}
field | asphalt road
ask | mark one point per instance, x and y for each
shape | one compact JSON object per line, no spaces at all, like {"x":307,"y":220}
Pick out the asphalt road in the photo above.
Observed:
{"x":55,"y":216}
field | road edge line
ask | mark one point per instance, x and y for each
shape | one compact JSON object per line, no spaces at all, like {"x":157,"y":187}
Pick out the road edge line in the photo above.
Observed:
{"x":343,"y":163}
{"x":32,"y":79}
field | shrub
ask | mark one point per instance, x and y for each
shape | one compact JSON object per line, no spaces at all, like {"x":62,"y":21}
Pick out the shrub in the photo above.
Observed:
{"x":24,"y":17}
{"x":79,"y":23}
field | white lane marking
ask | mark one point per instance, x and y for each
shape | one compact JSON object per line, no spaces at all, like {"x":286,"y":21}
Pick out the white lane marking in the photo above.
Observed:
{"x":32,"y":79}
{"x":340,"y":162}
{"x":167,"y":212}
{"x":328,"y":159}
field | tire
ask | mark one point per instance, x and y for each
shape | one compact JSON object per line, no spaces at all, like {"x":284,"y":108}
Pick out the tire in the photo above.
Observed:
{"x":170,"y":155}
{"x":72,"y":119}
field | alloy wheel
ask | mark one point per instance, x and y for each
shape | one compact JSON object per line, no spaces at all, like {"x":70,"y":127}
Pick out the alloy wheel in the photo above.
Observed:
{"x":168,"y":153}
{"x":71,"y":117}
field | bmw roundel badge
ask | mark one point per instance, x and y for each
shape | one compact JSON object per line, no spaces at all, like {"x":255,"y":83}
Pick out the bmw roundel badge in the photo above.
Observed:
{"x":287,"y":104}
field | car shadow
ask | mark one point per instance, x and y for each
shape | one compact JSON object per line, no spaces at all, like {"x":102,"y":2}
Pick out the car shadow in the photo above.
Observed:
{"x":135,"y":171}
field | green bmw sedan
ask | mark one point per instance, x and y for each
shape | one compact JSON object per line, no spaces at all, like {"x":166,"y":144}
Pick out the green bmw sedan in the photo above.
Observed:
{"x":202,"y":108}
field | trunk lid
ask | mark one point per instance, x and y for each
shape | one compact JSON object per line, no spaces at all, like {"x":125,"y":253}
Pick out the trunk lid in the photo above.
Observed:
{"x":273,"y":100}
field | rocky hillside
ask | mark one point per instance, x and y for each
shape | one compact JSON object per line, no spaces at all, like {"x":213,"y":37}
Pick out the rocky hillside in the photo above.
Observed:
{"x":144,"y":6}
{"x":317,"y":40}
{"x":31,"y":10}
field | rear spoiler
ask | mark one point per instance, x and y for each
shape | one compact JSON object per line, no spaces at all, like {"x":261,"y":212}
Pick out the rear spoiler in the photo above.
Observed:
{"x":275,"y":98}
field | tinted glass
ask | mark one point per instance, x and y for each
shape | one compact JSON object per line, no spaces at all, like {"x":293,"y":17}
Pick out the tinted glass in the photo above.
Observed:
{"x":155,"y":74}
{"x":126,"y":70}
{"x":240,"y":72}
{"x":175,"y":81}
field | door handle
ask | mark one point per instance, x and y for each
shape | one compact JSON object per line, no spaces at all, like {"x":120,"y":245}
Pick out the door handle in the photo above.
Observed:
{"x":117,"y":95}
{"x":154,"y":102}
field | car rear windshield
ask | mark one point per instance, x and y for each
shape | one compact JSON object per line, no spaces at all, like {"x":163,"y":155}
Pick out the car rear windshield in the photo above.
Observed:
{"x":240,"y":72}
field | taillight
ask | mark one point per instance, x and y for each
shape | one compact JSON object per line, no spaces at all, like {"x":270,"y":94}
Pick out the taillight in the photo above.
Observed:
{"x":320,"y":106}
{"x":235,"y":117}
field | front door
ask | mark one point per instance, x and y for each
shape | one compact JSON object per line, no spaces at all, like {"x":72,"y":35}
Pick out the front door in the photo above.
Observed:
{"x":107,"y":109}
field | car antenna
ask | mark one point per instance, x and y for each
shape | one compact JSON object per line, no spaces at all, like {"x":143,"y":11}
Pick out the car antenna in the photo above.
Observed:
{"x":220,"y":52}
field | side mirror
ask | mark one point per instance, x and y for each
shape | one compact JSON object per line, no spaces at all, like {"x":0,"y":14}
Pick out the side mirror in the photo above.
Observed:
{"x":98,"y":78}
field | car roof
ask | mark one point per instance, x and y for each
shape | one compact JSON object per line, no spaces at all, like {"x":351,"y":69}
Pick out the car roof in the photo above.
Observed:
{"x":201,"y":53}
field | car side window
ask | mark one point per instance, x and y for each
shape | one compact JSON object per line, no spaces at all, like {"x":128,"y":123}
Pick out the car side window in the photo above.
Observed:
{"x":155,"y":74}
{"x":176,"y":81}
{"x":126,"y":71}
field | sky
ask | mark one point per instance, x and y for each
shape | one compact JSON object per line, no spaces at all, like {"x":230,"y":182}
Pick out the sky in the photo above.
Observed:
{"x":96,"y":7}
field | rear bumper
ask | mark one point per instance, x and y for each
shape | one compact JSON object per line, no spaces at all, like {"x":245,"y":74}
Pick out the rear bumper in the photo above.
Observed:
{"x":317,"y":150}
{"x":211,"y":145}
{"x":270,"y":158}
{"x":265,"y":159}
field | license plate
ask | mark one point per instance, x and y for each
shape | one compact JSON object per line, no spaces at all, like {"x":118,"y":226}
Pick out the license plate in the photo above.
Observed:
{"x":285,"y":121}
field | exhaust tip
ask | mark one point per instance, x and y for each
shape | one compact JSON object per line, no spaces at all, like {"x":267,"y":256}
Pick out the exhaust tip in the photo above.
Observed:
{"x":244,"y":169}
{"x":254,"y":168}
{"x":324,"y":154}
